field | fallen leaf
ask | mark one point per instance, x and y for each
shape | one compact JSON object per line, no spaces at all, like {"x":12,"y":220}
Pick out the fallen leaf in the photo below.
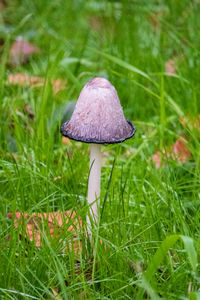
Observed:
{"x":189,"y":287}
{"x":3,"y":4}
{"x":170,"y":66}
{"x":58,"y":85}
{"x":66,"y":141}
{"x":88,"y":269}
{"x":21,"y":51}
{"x":157,"y":157}
{"x":154,"y":19}
{"x":95,"y":23}
{"x":178,"y":151}
{"x":83,"y":295}
{"x":191,"y":121}
{"x":29,"y":111}
{"x":36,"y":224}
{"x":56,"y":295}
{"x":136,"y":266}
{"x":1,"y":42}
{"x":12,"y":155}
{"x":57,"y":178}
{"x":26,"y":80}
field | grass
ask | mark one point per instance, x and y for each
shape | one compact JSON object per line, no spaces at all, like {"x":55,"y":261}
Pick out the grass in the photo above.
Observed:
{"x":151,"y":218}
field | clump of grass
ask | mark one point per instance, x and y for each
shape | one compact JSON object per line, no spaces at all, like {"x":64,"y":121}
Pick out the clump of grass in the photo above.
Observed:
{"x":149,"y":229}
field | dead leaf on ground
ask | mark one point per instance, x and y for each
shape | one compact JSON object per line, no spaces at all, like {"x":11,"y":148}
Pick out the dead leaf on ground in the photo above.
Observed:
{"x":189,"y":287}
{"x":29,"y":111}
{"x":83,"y":295}
{"x":66,"y":141}
{"x":21,"y":51}
{"x":154,"y":19}
{"x":53,"y":222}
{"x":95,"y":23}
{"x":178,"y":151}
{"x":57,"y":178}
{"x":136,"y":266}
{"x":79,"y":271}
{"x":192,"y":122}
{"x":1,"y":42}
{"x":26,"y":80}
{"x":12,"y":155}
{"x":3,"y":4}
{"x":171,"y":66}
{"x":56,"y":294}
{"x":58,"y":85}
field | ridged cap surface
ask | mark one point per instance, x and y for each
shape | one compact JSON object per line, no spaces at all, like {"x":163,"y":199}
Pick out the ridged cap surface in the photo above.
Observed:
{"x":98,"y":116}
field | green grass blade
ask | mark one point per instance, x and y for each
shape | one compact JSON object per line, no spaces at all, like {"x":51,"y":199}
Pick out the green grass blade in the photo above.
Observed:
{"x":168,"y":243}
{"x":192,"y":254}
{"x":124,"y":64}
{"x":194,"y":296}
{"x":145,"y":284}
{"x":160,"y":255}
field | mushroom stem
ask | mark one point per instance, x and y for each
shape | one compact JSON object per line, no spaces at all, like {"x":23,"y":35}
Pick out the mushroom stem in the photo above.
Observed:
{"x":94,"y":183}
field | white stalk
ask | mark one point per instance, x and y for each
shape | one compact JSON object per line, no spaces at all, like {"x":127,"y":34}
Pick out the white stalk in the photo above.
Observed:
{"x":94,"y":183}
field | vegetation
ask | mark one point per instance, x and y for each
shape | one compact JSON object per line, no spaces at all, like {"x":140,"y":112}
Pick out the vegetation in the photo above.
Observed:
{"x":147,"y":244}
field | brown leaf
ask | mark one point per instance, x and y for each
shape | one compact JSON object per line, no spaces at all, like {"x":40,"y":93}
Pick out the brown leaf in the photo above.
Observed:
{"x":95,"y":23}
{"x":21,"y":51}
{"x":29,"y":111}
{"x":136,"y":266}
{"x":189,"y":287}
{"x":178,"y":151}
{"x":66,"y":141}
{"x":57,"y":178}
{"x":26,"y":80}
{"x":154,"y":19}
{"x":83,"y":295}
{"x":12,"y":155}
{"x":191,"y":121}
{"x":58,"y":85}
{"x":56,"y":295}
{"x":170,"y":66}
{"x":36,"y":223}
{"x":3,"y":4}
{"x":1,"y":42}
{"x":157,"y":159}
{"x":87,"y":270}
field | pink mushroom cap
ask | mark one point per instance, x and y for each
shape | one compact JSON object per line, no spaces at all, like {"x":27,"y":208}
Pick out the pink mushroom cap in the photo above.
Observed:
{"x":98,"y":116}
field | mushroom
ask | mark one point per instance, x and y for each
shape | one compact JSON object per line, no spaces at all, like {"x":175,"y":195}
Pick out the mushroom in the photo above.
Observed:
{"x":97,"y":119}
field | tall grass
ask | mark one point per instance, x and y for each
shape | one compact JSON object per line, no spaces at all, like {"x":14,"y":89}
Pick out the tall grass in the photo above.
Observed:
{"x":147,"y":242}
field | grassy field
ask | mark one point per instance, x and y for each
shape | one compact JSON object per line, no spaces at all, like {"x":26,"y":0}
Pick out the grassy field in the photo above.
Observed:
{"x":147,"y":244}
